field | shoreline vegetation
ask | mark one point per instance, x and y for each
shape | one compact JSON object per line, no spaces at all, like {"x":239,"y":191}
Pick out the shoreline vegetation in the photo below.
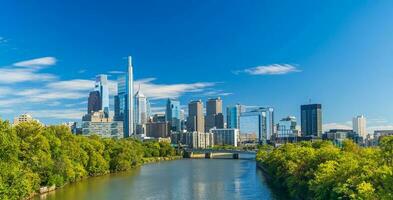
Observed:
{"x":321,"y":170}
{"x":34,"y":157}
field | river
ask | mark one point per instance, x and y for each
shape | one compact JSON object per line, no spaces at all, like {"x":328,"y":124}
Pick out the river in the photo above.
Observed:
{"x":173,"y":180}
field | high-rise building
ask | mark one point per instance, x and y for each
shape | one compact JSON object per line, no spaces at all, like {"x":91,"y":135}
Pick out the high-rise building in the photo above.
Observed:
{"x":258,"y":122}
{"x":214,"y":117}
{"x":172,"y":114}
{"x":311,"y":120}
{"x":359,"y":125}
{"x":195,"y":119}
{"x":226,"y":136}
{"x":94,"y":102}
{"x":124,"y":101}
{"x":140,"y":107}
{"x":287,"y":127}
{"x":102,"y":87}
{"x":233,"y":116}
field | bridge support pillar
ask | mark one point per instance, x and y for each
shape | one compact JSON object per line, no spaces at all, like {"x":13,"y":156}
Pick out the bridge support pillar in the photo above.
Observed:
{"x":209,"y":155}
{"x":187,"y":154}
{"x":235,"y":156}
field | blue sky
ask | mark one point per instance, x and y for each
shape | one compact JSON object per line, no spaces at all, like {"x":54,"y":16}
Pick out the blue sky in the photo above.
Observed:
{"x":276,"y":53}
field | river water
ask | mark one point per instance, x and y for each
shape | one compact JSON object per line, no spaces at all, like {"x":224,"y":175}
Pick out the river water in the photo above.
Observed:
{"x":173,"y":180}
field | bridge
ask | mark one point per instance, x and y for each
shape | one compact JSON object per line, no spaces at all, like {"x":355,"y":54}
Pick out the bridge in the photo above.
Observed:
{"x":213,"y":153}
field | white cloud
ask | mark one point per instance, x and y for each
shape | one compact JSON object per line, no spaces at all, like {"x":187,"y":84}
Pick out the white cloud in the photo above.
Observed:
{"x":72,"y":114}
{"x":162,"y":91}
{"x":329,"y":126}
{"x":27,"y":71}
{"x":73,"y":85}
{"x":274,"y":69}
{"x":10,"y":75}
{"x":3,"y":40}
{"x":38,"y":62}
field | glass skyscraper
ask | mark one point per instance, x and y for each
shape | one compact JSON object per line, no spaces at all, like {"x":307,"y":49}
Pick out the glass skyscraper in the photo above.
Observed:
{"x":172,"y":114}
{"x":141,"y":110}
{"x":124,"y":110}
{"x":259,"y":121}
{"x":311,"y":120}
{"x":101,"y":86}
{"x":233,"y":116}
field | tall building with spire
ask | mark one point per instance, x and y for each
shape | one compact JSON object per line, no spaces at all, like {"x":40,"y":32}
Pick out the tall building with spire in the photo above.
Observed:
{"x":140,"y":111}
{"x":124,"y":101}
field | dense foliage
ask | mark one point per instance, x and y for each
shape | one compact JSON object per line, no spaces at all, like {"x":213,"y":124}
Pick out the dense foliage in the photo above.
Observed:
{"x":323,"y":171}
{"x":32,"y":155}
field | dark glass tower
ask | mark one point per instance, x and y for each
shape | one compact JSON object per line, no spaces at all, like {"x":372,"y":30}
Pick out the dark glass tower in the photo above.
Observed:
{"x":311,"y":120}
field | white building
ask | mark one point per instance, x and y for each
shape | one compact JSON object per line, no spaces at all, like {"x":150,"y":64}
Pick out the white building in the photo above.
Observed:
{"x":359,"y":125}
{"x":24,"y":118}
{"x":226,"y":136}
{"x":195,"y":140}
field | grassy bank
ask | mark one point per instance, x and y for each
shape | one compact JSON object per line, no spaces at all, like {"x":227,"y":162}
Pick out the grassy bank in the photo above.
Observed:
{"x":323,"y":171}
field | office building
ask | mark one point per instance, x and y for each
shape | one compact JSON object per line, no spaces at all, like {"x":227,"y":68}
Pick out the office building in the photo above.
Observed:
{"x":172,"y":114}
{"x":195,"y":119}
{"x":140,"y":112}
{"x":159,"y":118}
{"x":124,"y":101}
{"x":379,"y":134}
{"x":233,"y":116}
{"x":311,"y":120}
{"x":98,"y":123}
{"x":214,"y":117}
{"x":259,"y":122}
{"x":359,"y":125}
{"x":157,"y":129}
{"x":287,"y":127}
{"x":337,"y":136}
{"x":24,"y":118}
{"x":195,"y":140}
{"x":227,"y":136}
{"x":101,"y":86}
{"x":94,"y":102}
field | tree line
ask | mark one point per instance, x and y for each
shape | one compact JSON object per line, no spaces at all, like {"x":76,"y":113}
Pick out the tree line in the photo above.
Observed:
{"x":321,"y":170}
{"x":32,"y":155}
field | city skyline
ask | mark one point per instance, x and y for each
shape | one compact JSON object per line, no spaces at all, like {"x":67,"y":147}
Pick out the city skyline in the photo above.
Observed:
{"x":50,"y":80}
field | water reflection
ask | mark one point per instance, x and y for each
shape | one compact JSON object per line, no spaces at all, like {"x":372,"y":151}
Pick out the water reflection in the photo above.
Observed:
{"x":182,"y":179}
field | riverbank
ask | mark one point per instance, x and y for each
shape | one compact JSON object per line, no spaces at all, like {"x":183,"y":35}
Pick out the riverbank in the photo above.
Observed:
{"x":146,"y":160}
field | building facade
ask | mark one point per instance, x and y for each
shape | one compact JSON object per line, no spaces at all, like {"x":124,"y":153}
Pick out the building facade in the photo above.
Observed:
{"x":172,"y":114}
{"x":124,"y":101}
{"x":157,"y":129}
{"x":97,"y":123}
{"x":359,"y":125}
{"x":214,"y":117}
{"x":94,"y":102}
{"x":195,"y":119}
{"x":101,"y":86}
{"x":233,"y":116}
{"x":140,"y":112}
{"x":311,"y":120}
{"x":24,"y":118}
{"x":259,"y":122}
{"x":227,"y":136}
{"x":195,"y":140}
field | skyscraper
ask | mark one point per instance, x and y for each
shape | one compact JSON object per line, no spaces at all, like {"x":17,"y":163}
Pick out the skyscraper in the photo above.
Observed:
{"x":359,"y":125}
{"x":124,"y":100}
{"x":94,"y":102}
{"x":172,"y":114}
{"x":311,"y":120}
{"x":102,"y":87}
{"x":140,"y":111}
{"x":195,"y":119}
{"x":259,"y":121}
{"x":233,"y":116}
{"x":214,"y":116}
